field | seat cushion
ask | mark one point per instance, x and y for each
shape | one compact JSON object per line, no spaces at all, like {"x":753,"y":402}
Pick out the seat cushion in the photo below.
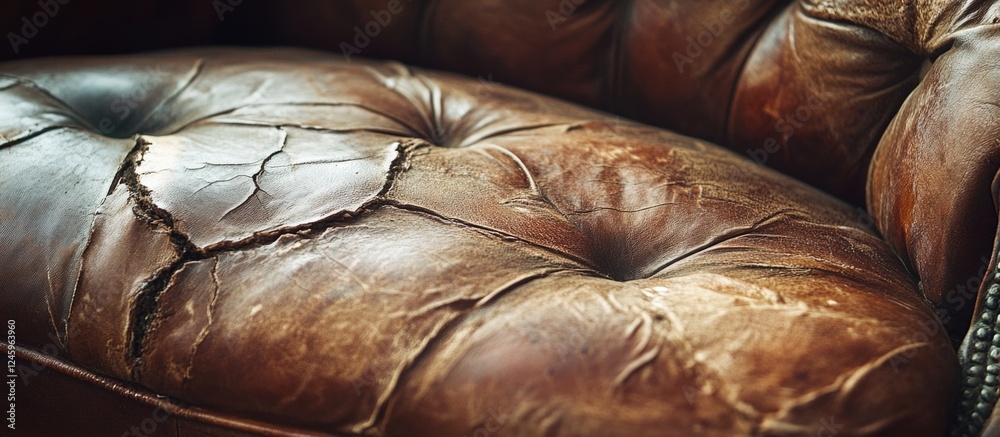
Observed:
{"x":280,"y":241}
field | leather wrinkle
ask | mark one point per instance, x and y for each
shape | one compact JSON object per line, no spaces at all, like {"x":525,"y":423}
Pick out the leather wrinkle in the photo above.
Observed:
{"x":429,"y":345}
{"x":196,"y":69}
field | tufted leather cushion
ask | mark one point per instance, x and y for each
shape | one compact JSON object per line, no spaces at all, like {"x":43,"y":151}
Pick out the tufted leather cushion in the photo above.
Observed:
{"x":279,"y":241}
{"x":808,"y":87}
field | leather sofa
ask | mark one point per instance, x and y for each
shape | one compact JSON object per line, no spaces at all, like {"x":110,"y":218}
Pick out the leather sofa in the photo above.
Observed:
{"x":232,"y":241}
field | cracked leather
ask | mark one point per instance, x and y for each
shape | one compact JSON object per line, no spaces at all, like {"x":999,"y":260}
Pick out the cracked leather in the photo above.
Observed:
{"x":289,"y":243}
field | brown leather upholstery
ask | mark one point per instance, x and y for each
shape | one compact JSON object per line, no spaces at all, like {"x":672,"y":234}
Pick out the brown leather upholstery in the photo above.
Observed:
{"x":892,"y":100}
{"x":281,"y":239}
{"x":807,"y":87}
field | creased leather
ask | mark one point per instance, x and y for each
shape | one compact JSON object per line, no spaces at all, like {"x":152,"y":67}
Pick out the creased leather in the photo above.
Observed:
{"x":368,"y":248}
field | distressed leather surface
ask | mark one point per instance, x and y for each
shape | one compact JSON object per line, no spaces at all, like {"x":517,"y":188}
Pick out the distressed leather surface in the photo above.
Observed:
{"x":280,"y":237}
{"x":807,"y":87}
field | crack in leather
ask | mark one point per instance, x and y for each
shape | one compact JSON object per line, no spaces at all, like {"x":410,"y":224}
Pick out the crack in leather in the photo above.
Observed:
{"x":210,"y":118}
{"x":312,"y":128}
{"x":29,"y":135}
{"x":145,"y":308}
{"x":255,"y":178}
{"x":204,"y":331}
